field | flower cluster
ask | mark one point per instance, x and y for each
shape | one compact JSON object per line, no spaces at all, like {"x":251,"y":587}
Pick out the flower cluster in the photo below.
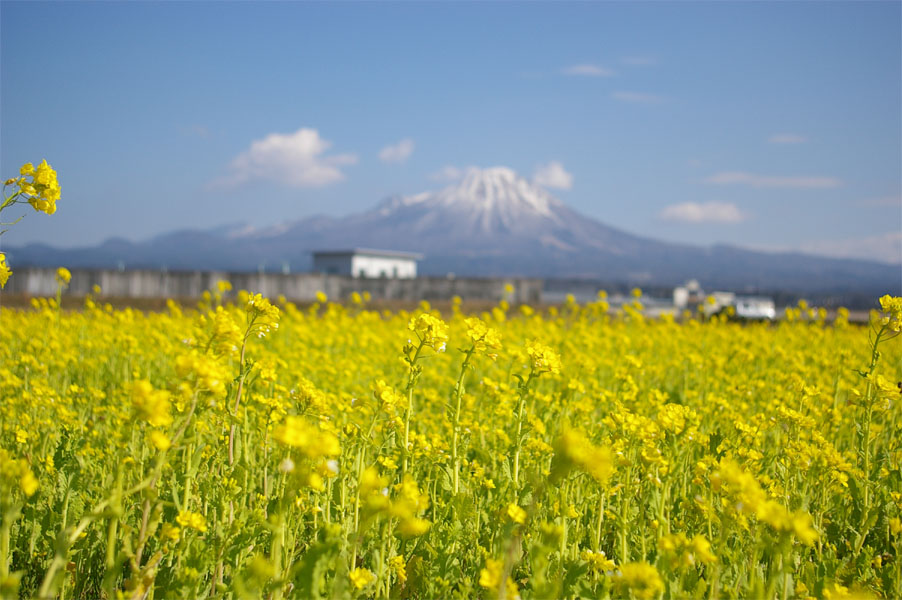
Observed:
{"x":641,"y":579}
{"x":431,"y":331}
{"x":15,"y":470}
{"x":151,"y":404}
{"x":680,"y":551}
{"x":39,"y":185}
{"x":490,"y":579}
{"x":262,"y":316}
{"x":192,"y":520}
{"x":405,"y":505}
{"x":573,"y":449}
{"x":219,"y":331}
{"x":598,"y":561}
{"x":5,"y":271}
{"x":389,"y":400}
{"x":306,"y":438}
{"x":361,"y":578}
{"x":751,"y":498}
{"x":516,"y":514}
{"x":483,"y":337}
{"x":892,"y":309}
{"x":208,"y":374}
{"x":41,"y":189}
{"x":63,"y":276}
{"x":542,"y":358}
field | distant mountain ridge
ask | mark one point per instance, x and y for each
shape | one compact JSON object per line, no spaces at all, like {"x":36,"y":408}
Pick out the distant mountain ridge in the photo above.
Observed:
{"x":492,"y":222}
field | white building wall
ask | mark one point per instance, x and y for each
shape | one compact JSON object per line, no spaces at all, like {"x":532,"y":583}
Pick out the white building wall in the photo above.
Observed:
{"x":383,"y":266}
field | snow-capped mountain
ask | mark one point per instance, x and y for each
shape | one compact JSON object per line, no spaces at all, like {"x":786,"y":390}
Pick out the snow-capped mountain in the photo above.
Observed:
{"x":488,"y":201}
{"x":492,"y":222}
{"x":489,"y":212}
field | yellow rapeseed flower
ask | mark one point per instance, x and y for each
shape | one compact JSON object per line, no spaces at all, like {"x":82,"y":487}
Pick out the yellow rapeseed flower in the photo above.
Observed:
{"x":483,"y":337}
{"x":542,"y":358}
{"x":360,"y":578}
{"x":573,"y":449}
{"x":598,"y":561}
{"x":159,"y":440}
{"x":398,"y":567}
{"x":5,"y":271}
{"x":297,"y":432}
{"x":640,"y":578}
{"x":192,"y":520}
{"x":490,"y":578}
{"x":43,"y":190}
{"x":892,"y":307}
{"x":63,"y":276}
{"x":152,"y":405}
{"x":431,"y":331}
{"x":516,"y":514}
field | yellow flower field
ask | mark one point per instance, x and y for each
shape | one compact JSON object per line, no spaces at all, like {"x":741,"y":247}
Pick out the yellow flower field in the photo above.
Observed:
{"x":251,"y":449}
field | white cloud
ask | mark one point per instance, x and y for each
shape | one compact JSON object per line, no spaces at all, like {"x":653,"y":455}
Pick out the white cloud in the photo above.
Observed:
{"x":397,"y":153}
{"x":553,"y":175}
{"x":296,"y":159}
{"x":447,"y":173}
{"x":639,"y":61}
{"x":588,"y":70}
{"x":772,"y":181}
{"x":787,"y":138}
{"x":637,"y":97}
{"x":703,"y":212}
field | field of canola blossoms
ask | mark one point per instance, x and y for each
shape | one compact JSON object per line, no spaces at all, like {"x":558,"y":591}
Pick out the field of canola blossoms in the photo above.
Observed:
{"x":241,"y":450}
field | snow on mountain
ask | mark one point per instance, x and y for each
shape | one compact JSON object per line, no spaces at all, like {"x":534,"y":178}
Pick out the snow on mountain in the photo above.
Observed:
{"x":496,"y":197}
{"x":487,"y":208}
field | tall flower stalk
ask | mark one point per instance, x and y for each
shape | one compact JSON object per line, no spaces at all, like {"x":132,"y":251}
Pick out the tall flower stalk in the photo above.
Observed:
{"x":542,"y":359}
{"x":483,"y":339}
{"x":431,"y":333}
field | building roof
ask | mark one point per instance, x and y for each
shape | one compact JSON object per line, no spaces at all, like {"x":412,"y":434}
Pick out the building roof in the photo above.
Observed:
{"x":369,"y":252}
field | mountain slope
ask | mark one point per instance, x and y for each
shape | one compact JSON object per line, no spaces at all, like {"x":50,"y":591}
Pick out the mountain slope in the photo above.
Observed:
{"x":491,"y":223}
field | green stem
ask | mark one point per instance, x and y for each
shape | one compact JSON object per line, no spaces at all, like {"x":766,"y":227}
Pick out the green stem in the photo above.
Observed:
{"x":411,"y":384}
{"x":600,"y":520}
{"x":564,"y":508}
{"x":61,"y":558}
{"x":276,"y":551}
{"x":624,"y":512}
{"x":518,"y":441}
{"x":458,"y":394}
{"x":866,"y":442}
{"x":11,"y":200}
{"x":238,"y":394}
{"x":5,"y":526}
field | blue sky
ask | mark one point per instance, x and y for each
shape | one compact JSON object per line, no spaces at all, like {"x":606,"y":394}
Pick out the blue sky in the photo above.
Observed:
{"x":767,"y":125}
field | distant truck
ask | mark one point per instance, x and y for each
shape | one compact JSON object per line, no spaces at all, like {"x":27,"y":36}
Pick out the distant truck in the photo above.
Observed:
{"x":754,"y":308}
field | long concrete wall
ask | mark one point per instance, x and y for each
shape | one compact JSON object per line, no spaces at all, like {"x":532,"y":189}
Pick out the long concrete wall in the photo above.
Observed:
{"x":299,"y":287}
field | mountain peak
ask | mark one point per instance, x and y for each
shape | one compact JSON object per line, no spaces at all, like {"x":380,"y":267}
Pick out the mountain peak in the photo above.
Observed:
{"x":498,"y":193}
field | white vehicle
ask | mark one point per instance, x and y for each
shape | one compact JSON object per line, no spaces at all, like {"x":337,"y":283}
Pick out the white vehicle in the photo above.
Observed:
{"x":752,"y":308}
